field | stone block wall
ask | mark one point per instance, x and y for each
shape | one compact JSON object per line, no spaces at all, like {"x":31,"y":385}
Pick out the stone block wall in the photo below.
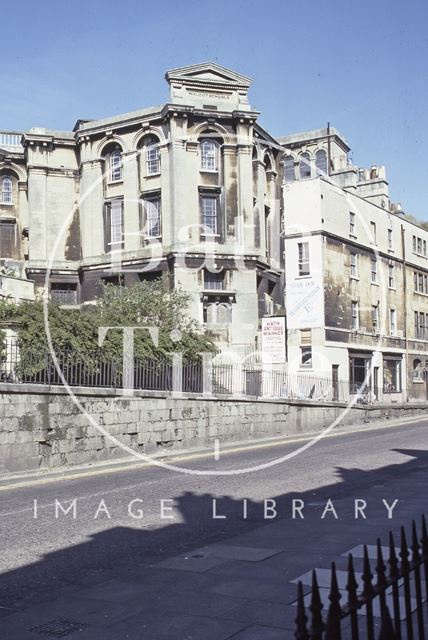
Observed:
{"x":41,"y":428}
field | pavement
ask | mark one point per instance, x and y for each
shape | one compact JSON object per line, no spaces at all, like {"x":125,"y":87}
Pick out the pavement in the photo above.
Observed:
{"x":147,"y":553}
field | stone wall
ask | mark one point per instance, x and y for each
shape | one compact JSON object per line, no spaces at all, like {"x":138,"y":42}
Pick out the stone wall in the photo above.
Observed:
{"x":43,"y":428}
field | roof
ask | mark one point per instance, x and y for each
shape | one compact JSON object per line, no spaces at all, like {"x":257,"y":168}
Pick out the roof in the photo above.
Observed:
{"x":208,"y":73}
{"x":313,"y":134}
{"x":86,"y":125}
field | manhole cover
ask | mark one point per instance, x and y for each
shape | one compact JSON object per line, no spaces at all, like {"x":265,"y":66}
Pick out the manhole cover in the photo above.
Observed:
{"x":59,"y":628}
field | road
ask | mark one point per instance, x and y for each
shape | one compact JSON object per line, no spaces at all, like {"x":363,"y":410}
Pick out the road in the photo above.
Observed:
{"x":129,"y":515}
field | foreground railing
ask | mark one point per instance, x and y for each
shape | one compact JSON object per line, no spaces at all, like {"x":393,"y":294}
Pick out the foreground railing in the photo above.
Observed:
{"x":156,"y":375}
{"x":399,"y":591}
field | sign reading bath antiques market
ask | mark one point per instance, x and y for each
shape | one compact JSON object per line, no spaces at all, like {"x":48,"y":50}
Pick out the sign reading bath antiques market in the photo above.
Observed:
{"x":304,"y":304}
{"x":273,"y":340}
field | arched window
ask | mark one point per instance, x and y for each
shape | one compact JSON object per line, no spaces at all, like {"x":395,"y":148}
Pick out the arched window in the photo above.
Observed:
{"x":208,"y":155}
{"x":288,"y":168}
{"x":115,"y":166}
{"x":305,"y":166}
{"x":152,"y":156}
{"x":321,"y":162}
{"x":6,"y":190}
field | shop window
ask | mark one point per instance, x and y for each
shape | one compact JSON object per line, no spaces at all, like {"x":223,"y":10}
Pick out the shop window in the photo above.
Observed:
{"x":359,"y":374}
{"x":391,"y":375}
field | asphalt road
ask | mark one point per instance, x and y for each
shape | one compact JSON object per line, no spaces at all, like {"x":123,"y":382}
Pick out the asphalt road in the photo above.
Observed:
{"x":118,"y":510}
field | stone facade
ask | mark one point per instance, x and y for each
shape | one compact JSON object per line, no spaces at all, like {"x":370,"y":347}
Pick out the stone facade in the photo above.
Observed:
{"x":195,"y":188}
{"x":357,"y":301}
{"x":189,"y":188}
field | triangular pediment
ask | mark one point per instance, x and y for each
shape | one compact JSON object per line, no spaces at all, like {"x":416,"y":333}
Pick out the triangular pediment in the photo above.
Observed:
{"x":209,"y":73}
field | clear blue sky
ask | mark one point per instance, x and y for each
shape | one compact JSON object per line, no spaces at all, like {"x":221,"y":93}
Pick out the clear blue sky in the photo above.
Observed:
{"x":363,"y":66}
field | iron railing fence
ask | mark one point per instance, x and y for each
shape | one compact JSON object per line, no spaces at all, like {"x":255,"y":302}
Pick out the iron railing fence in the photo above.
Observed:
{"x":393,"y":599}
{"x":26,"y":367}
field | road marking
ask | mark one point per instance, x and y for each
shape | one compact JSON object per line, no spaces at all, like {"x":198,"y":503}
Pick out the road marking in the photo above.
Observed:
{"x":131,"y":466}
{"x":216,"y":449}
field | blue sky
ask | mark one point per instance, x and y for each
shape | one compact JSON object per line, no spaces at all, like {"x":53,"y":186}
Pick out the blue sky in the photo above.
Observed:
{"x":363,"y":66}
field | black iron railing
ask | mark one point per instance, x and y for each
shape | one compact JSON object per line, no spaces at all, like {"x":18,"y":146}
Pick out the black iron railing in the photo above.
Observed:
{"x":97,"y":370}
{"x":398,"y":589}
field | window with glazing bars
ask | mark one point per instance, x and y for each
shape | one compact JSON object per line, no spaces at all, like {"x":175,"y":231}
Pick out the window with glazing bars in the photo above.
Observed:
{"x":64,"y":292}
{"x":152,"y":207}
{"x":153,"y":158}
{"x":209,"y":215}
{"x":6,"y":190}
{"x":213,"y":280}
{"x":115,"y":166}
{"x":354,"y":265}
{"x":208,"y":155}
{"x":303,"y":264}
{"x":373,"y":269}
{"x":355,"y":315}
{"x":113,"y":226}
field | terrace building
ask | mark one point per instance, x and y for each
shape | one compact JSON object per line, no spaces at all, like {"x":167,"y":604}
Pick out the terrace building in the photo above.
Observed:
{"x":356,"y":273}
{"x":249,"y":224}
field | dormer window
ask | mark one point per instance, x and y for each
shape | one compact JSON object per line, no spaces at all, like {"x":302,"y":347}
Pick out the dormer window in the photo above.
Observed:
{"x":6,"y":190}
{"x":115,"y":166}
{"x":208,"y":155}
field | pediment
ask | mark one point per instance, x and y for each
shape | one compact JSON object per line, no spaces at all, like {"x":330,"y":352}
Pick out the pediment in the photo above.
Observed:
{"x":209,"y":73}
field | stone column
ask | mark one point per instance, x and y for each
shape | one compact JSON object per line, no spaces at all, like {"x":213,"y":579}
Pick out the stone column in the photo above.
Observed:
{"x":245,"y":195}
{"x":37,"y":201}
{"x":91,"y":208}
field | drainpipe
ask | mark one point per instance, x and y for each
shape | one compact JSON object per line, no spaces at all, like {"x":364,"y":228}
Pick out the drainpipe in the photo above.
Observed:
{"x":403,"y":249}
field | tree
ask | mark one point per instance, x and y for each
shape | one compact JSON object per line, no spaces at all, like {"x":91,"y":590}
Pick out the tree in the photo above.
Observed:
{"x":74,"y":332}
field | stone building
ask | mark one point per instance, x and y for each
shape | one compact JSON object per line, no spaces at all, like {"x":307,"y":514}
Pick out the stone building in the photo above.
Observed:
{"x":250,"y":225}
{"x":189,"y":188}
{"x":356,"y":273}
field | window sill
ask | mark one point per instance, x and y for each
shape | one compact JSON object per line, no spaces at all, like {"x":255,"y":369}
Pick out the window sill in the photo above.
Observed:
{"x":354,"y":277}
{"x":392,"y":288}
{"x":305,"y":277}
{"x":421,"y":293}
{"x":208,"y":171}
{"x":391,"y":250}
{"x":352,"y":236}
{"x":376,"y":284}
{"x":420,"y":255}
{"x":153,"y":175}
{"x":113,"y":182}
{"x":6,"y":204}
{"x":208,"y":236}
